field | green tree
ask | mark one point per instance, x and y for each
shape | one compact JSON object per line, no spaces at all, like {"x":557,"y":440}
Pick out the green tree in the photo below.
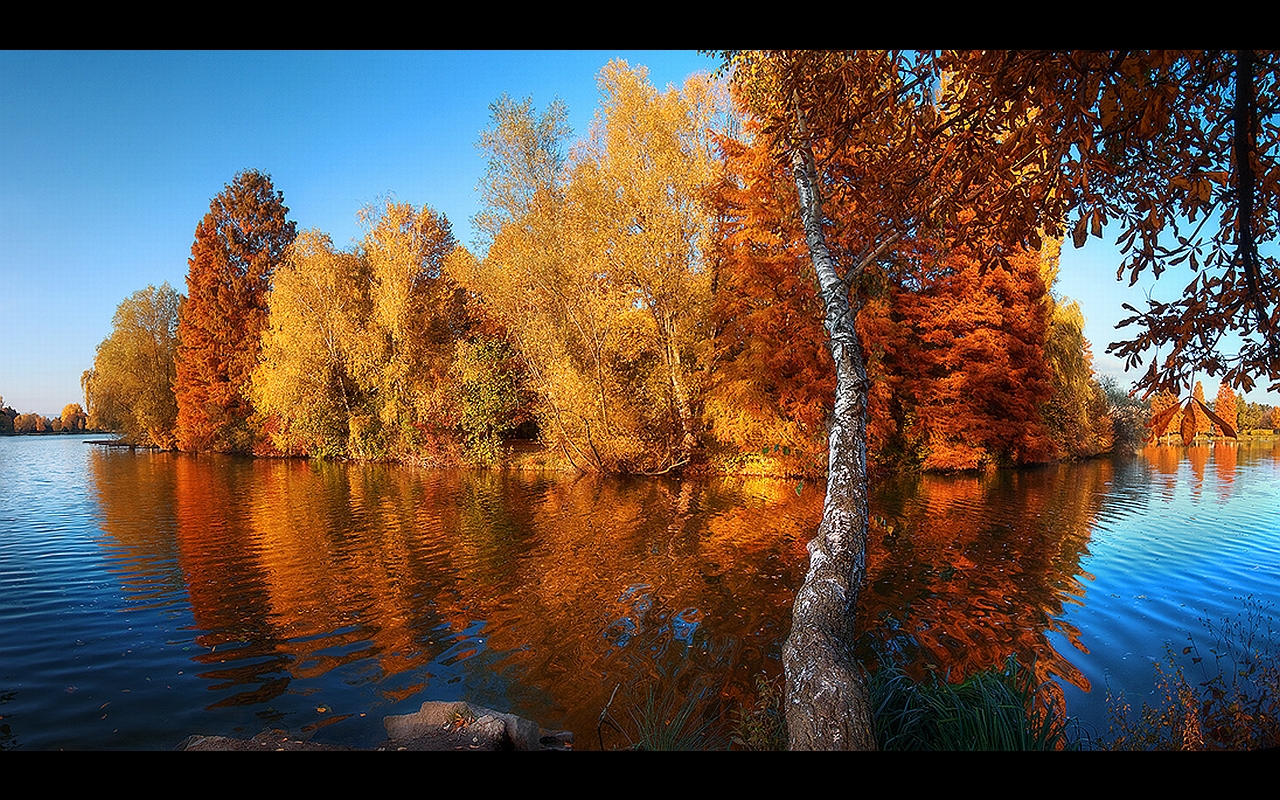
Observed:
{"x":1252,"y":415}
{"x":130,"y":388}
{"x":487,"y":397}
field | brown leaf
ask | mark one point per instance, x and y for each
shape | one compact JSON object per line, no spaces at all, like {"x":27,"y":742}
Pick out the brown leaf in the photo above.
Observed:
{"x":1189,"y":424}
{"x":1226,"y":427}
{"x":1079,"y":234}
{"x":1160,"y":421}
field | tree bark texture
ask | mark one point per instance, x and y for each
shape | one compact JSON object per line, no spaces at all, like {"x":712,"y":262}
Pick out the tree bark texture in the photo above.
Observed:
{"x":828,"y":707}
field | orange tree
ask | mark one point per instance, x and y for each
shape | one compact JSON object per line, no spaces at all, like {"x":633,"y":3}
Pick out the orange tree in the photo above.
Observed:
{"x":998,"y":149}
{"x":237,"y":247}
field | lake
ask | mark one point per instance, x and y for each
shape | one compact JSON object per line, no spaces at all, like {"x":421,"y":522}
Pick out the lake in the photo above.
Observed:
{"x":148,"y":596}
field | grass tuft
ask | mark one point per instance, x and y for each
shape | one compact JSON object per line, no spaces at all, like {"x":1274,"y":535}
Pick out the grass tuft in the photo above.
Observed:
{"x":996,"y":709}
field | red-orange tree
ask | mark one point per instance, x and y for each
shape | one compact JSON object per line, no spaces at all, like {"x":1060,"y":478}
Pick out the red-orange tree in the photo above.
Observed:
{"x":1226,"y":406}
{"x":1178,"y":149}
{"x":237,"y":247}
{"x":1001,"y":153}
{"x":974,"y":353}
{"x":773,"y":377}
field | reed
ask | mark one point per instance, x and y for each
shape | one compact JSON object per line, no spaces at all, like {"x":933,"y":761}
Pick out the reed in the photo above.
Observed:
{"x":996,"y":709}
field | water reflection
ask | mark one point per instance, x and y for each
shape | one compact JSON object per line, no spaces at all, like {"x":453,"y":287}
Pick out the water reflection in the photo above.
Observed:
{"x":315,"y":593}
{"x":967,"y":570}
{"x":536,"y":593}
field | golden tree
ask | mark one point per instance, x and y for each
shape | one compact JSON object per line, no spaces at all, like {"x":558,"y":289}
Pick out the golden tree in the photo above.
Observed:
{"x":598,"y":269}
{"x":130,"y":388}
{"x":303,"y":380}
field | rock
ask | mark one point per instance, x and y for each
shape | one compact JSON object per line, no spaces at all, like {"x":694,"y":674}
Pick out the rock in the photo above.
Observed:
{"x":267,"y":741}
{"x":438,"y":725}
{"x":458,"y":725}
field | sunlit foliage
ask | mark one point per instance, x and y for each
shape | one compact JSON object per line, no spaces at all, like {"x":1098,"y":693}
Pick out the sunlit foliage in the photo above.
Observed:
{"x":303,"y":380}
{"x":130,"y":388}
{"x":237,"y":247}
{"x":357,"y":359}
{"x":598,"y":269}
{"x":1176,"y":149}
{"x":73,"y":417}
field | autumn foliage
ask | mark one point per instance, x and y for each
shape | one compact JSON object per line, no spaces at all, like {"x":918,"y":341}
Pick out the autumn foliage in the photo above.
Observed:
{"x":646,"y":301}
{"x":130,"y":388}
{"x":970,"y":363}
{"x":599,"y":267}
{"x":237,"y":247}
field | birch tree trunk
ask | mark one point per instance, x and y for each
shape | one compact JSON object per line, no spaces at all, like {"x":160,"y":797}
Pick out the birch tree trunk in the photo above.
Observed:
{"x":828,"y":707}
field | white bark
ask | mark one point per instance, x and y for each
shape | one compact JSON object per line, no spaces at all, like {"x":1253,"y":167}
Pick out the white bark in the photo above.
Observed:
{"x":828,"y":707}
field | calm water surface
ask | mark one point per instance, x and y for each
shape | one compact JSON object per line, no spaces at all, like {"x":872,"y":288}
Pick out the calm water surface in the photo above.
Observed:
{"x":145,"y":597}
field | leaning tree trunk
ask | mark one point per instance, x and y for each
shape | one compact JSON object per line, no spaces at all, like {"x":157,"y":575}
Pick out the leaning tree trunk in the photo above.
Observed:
{"x":828,"y":707}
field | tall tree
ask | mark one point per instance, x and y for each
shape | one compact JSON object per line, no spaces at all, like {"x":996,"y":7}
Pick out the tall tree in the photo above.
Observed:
{"x":237,"y":247}
{"x":303,"y":379}
{"x":638,"y":202}
{"x":998,"y":151}
{"x":1202,"y":422}
{"x":402,"y":355}
{"x":772,"y":377}
{"x":598,"y":271}
{"x":874,"y":107}
{"x":130,"y":388}
{"x":1164,"y":420}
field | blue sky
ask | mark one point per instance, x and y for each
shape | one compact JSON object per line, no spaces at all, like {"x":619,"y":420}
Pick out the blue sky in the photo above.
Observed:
{"x":108,"y":160}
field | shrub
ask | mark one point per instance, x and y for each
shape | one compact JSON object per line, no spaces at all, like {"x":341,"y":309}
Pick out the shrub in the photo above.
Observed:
{"x":1234,"y":706}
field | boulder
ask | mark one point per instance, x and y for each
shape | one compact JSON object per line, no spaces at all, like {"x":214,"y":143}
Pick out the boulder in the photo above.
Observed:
{"x":458,"y":725}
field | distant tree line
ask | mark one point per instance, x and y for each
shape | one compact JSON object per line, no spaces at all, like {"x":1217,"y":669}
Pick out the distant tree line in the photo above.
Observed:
{"x":72,"y":420}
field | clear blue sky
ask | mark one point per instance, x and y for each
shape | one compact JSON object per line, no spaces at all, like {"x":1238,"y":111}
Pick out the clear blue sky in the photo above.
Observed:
{"x":108,"y":160}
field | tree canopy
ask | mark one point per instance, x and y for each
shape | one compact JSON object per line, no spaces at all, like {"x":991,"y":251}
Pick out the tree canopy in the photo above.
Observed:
{"x":237,"y":247}
{"x":130,"y":388}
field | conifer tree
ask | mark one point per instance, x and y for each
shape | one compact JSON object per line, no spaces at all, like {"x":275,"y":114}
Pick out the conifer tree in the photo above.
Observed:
{"x":1226,"y":406}
{"x":237,"y":247}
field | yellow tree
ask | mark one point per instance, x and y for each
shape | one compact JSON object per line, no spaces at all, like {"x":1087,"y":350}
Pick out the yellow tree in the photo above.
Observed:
{"x":1077,"y":410}
{"x":73,"y":417}
{"x":401,"y":358}
{"x":597,"y":268}
{"x":639,"y":203}
{"x":302,"y":380}
{"x":130,"y":388}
